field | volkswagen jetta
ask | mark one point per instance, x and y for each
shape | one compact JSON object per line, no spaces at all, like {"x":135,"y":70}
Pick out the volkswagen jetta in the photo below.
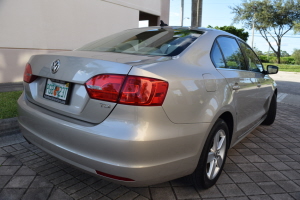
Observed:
{"x":148,"y":105}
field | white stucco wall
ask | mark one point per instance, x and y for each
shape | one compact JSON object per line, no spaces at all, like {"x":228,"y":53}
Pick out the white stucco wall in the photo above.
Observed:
{"x":36,"y":26}
{"x":58,"y":24}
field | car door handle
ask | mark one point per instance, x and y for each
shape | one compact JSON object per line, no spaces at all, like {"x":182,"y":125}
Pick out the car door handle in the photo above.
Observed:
{"x":236,"y":86}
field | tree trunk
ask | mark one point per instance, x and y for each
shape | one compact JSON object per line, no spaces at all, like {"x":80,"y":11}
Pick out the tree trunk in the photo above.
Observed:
{"x":182,"y":12}
{"x":278,"y":57}
{"x":278,"y":50}
{"x":196,"y":13}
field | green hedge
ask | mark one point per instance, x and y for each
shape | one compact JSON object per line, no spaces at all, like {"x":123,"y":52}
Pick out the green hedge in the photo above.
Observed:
{"x":264,"y":58}
{"x":287,"y":60}
{"x":273,"y":59}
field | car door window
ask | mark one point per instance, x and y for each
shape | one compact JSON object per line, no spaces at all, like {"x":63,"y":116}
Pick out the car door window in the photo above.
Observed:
{"x":233,"y":56}
{"x":253,"y":62}
{"x":217,"y":57}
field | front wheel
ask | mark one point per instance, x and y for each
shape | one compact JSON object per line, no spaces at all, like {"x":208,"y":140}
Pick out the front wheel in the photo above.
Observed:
{"x":213,"y":156}
{"x":271,"y":115}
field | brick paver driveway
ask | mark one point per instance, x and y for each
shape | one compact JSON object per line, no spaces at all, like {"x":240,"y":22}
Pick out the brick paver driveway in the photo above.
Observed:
{"x":265,"y":165}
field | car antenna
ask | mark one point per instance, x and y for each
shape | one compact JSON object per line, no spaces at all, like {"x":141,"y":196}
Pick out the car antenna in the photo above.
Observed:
{"x":162,"y":24}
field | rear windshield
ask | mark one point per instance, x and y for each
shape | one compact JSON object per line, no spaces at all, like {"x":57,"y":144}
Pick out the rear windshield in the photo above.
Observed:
{"x":159,"y":41}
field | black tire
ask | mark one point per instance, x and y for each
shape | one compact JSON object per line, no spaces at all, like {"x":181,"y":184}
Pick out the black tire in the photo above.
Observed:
{"x":271,"y":112}
{"x":201,"y":177}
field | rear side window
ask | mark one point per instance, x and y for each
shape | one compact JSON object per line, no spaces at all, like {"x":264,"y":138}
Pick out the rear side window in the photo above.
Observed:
{"x":233,"y":56}
{"x":253,"y":62}
{"x":217,"y":57}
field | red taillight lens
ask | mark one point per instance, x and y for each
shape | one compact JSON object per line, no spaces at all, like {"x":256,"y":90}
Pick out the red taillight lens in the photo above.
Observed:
{"x":28,"y":77}
{"x":142,"y":91}
{"x":105,"y":87}
{"x":134,"y":90}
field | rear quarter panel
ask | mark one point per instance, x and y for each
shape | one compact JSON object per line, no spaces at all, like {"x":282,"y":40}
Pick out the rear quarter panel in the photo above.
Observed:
{"x":197,"y":92}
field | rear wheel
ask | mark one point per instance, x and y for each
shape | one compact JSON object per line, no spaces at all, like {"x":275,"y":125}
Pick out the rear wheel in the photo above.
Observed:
{"x":213,"y":156}
{"x":271,"y":112}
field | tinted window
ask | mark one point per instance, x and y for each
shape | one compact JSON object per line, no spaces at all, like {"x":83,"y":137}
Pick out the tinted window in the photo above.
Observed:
{"x":233,"y":56}
{"x":253,"y":62}
{"x":161,"y":41}
{"x":217,"y":57}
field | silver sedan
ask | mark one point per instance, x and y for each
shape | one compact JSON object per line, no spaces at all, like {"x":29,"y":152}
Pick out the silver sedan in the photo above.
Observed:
{"x":148,"y":105}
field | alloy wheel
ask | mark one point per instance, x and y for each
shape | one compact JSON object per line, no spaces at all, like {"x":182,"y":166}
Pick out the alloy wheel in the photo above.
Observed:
{"x":216,"y":155}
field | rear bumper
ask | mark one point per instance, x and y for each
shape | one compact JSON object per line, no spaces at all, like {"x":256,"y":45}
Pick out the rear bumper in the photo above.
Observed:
{"x":138,"y":143}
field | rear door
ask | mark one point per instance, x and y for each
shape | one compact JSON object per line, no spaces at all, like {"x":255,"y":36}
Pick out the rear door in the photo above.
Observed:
{"x":229,"y":61}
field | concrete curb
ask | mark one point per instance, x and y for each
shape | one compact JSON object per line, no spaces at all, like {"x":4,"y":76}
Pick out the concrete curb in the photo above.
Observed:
{"x":9,"y":87}
{"x":9,"y":126}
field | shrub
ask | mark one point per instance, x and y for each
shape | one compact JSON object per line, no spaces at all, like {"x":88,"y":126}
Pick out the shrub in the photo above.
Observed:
{"x":287,"y":60}
{"x":273,"y":59}
{"x":263,"y":58}
{"x":296,"y":56}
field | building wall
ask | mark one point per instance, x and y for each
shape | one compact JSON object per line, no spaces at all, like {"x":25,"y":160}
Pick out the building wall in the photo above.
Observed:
{"x":31,"y":27}
{"x":165,"y":10}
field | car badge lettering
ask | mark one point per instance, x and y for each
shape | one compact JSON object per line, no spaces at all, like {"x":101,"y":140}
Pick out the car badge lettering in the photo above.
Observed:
{"x":55,"y":66}
{"x":104,"y":105}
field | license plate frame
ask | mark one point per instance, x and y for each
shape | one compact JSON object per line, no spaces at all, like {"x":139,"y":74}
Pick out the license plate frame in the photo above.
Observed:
{"x":58,"y":91}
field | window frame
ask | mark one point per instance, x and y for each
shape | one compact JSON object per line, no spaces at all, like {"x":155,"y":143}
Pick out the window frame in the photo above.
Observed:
{"x":211,"y":54}
{"x":224,"y":60}
{"x":245,"y":56}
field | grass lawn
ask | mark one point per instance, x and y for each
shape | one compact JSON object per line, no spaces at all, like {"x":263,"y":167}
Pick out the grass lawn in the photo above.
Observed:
{"x":285,"y":67}
{"x":8,"y":104}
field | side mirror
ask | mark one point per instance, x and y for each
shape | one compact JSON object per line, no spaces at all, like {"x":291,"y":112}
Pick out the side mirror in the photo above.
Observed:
{"x":272,"y":69}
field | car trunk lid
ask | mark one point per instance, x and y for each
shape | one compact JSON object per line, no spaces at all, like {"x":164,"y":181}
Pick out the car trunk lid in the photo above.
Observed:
{"x":73,"y":71}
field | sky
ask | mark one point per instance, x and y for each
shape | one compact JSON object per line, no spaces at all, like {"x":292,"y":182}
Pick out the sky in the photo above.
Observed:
{"x":218,"y":13}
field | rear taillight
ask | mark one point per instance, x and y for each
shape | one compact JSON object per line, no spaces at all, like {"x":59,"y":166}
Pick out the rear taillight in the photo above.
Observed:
{"x":142,"y":91}
{"x":28,"y":77}
{"x":105,"y":87}
{"x":131,"y":90}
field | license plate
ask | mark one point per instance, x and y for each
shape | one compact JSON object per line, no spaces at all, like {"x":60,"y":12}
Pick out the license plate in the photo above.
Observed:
{"x":58,"y":91}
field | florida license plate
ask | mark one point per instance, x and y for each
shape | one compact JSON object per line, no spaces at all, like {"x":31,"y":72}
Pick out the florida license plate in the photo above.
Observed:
{"x":58,"y":91}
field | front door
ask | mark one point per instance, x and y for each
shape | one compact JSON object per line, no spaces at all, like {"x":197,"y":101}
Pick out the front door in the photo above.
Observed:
{"x":262,"y":81}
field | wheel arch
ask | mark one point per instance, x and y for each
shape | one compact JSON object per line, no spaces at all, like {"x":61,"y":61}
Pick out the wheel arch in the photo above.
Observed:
{"x":228,"y":118}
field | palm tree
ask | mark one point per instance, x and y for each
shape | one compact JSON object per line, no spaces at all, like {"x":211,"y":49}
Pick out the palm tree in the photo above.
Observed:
{"x":196,"y":13}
